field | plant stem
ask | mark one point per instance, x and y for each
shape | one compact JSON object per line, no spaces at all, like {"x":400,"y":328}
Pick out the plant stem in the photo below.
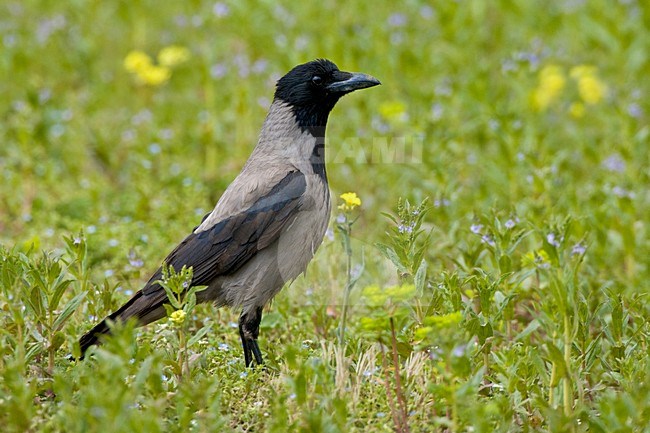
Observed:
{"x":389,"y":395}
{"x":181,"y":353}
{"x":398,"y":381}
{"x":567,"y":359}
{"x":50,"y":361}
{"x":551,"y":399}
{"x":348,"y":284}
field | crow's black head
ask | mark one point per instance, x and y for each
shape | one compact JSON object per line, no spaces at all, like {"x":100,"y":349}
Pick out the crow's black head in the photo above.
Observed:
{"x":312,"y":89}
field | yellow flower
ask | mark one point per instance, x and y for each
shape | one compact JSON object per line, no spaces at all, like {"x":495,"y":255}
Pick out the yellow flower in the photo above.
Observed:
{"x":350,"y":201}
{"x":177,"y":317}
{"x":551,"y":84}
{"x":173,"y":55}
{"x":591,"y":89}
{"x":154,"y":75}
{"x":393,"y":110}
{"x":577,"y":109}
{"x":536,"y":259}
{"x":580,"y":71}
{"x":136,"y":61}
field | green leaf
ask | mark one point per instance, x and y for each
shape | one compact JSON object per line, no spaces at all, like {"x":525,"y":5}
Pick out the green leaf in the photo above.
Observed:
{"x":57,"y":340}
{"x":143,"y":373}
{"x":59,"y":288}
{"x":557,"y":358}
{"x":374,"y":323}
{"x":391,"y":255}
{"x":421,"y":278}
{"x":532,"y":327}
{"x":271,"y":320}
{"x":69,"y":308}
{"x":169,"y":309}
{"x":199,"y":334}
{"x":171,"y":296}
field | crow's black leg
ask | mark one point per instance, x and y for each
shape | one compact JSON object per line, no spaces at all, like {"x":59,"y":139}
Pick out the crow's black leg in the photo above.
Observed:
{"x":248,"y":359}
{"x":249,"y":329}
{"x":257,"y":353}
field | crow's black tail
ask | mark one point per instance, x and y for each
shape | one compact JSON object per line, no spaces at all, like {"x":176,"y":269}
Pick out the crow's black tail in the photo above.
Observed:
{"x":91,"y":338}
{"x":145,"y":308}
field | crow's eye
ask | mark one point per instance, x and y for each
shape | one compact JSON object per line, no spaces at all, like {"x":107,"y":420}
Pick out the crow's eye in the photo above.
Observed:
{"x":317,"y":80}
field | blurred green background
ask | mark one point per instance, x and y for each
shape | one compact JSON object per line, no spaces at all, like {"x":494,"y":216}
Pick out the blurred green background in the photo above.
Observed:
{"x":520,"y":111}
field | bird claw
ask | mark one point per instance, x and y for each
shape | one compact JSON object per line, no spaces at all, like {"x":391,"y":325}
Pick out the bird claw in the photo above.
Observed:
{"x":252,"y":351}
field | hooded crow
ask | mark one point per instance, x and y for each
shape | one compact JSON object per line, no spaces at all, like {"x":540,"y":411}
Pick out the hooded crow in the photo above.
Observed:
{"x":269,"y":222}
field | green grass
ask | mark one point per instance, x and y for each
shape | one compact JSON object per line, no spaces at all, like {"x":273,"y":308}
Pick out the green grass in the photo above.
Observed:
{"x":516,"y":300}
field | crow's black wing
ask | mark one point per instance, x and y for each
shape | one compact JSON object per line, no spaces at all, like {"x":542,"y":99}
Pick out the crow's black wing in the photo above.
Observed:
{"x":230,"y":243}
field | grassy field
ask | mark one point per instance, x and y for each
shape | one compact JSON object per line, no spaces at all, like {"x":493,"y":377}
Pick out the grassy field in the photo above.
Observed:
{"x":494,"y":278}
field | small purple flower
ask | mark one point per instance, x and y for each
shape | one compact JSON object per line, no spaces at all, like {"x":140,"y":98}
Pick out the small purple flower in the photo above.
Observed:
{"x":397,"y":20}
{"x":396,"y":38}
{"x":426,"y":12}
{"x":441,"y":203}
{"x":488,"y":239}
{"x":135,"y":262}
{"x":443,"y":88}
{"x":220,"y":9}
{"x":166,"y":134}
{"x":260,"y":66}
{"x":476,"y":228}
{"x":142,"y":116}
{"x":621,"y":192}
{"x":379,"y":125}
{"x":508,"y":65}
{"x":405,"y":228}
{"x":9,"y":40}
{"x":301,"y":43}
{"x":355,"y":272}
{"x":459,"y":350}
{"x":436,"y":111}
{"x":614,"y":163}
{"x":578,"y":249}
{"x":551,"y":238}
{"x":635,"y":110}
{"x":224,"y":347}
{"x":154,"y":148}
{"x":218,"y":70}
{"x":44,"y":95}
{"x":128,"y":135}
{"x":341,"y":218}
{"x":510,"y":223}
{"x":76,"y":240}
